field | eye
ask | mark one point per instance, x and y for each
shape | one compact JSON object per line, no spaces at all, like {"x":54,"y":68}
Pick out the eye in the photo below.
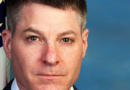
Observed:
{"x":33,"y":38}
{"x":67,"y":40}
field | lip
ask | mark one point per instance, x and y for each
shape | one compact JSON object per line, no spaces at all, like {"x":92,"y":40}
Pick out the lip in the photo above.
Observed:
{"x":49,"y":76}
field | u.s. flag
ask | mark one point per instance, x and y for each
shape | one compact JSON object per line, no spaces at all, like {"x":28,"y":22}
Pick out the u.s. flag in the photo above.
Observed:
{"x":4,"y":62}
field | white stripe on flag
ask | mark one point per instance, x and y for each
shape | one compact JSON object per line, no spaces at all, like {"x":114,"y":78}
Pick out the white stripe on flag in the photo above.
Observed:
{"x":2,"y":68}
{"x":8,"y":69}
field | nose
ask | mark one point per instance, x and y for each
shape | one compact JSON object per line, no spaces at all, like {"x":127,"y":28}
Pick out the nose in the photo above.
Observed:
{"x":51,"y":57}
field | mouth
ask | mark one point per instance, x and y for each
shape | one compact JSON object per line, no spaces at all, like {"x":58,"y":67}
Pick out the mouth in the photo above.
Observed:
{"x":50,"y":76}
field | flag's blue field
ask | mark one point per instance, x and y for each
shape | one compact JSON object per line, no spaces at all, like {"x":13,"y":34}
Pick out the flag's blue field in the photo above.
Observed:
{"x":2,"y":18}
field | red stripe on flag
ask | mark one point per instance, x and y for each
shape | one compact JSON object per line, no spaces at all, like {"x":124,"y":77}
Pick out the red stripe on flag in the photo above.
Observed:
{"x":6,"y":81}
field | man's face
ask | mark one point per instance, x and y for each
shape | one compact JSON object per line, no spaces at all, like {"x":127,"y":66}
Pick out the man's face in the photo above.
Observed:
{"x":47,"y":48}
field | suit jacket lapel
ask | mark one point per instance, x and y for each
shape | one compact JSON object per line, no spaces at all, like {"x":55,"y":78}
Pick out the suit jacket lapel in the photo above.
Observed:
{"x":8,"y":86}
{"x":74,"y":87}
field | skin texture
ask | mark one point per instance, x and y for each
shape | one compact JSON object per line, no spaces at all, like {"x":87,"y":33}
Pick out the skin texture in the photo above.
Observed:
{"x":47,"y":48}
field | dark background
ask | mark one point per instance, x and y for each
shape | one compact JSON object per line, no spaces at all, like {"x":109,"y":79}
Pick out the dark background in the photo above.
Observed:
{"x":107,"y":62}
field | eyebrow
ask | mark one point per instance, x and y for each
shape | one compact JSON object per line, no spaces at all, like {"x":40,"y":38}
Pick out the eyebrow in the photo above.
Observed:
{"x":67,"y":33}
{"x":32,"y":30}
{"x":59,"y":35}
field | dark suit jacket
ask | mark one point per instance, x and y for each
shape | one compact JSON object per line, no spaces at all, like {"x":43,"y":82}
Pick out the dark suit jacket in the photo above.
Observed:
{"x":8,"y":87}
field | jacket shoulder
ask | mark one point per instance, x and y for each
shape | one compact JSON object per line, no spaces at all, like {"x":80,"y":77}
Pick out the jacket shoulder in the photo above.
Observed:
{"x":8,"y":86}
{"x":75,"y":87}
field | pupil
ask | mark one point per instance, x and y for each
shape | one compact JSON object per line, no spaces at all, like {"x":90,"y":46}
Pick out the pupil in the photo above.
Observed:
{"x":33,"y":38}
{"x":66,"y":40}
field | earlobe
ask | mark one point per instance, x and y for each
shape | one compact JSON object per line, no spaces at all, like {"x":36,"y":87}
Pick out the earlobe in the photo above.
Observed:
{"x":84,"y":39}
{"x":6,"y":37}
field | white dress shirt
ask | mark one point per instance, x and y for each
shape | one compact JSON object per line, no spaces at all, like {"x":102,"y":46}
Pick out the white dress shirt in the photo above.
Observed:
{"x":14,"y":85}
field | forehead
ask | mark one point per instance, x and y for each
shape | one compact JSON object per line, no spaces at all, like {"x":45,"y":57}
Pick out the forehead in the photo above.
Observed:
{"x":41,"y":16}
{"x":42,"y":11}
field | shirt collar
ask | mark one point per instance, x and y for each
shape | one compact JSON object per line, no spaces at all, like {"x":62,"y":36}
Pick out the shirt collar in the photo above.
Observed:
{"x":14,"y":85}
{"x":72,"y":88}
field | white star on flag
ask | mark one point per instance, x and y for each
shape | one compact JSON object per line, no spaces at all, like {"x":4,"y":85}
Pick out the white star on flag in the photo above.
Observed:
{"x":1,"y":1}
{"x":1,"y":24}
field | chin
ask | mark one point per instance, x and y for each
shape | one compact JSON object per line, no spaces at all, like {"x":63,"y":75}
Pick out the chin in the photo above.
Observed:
{"x":50,"y":87}
{"x":49,"y":83}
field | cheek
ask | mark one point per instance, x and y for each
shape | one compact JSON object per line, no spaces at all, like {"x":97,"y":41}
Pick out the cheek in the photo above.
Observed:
{"x":72,"y":56}
{"x":32,"y":56}
{"x":73,"y":53}
{"x":25,"y":57}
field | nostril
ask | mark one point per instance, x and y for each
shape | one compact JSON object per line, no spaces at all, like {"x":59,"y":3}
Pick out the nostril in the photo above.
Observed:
{"x":45,"y":62}
{"x":57,"y":62}
{"x":50,"y":63}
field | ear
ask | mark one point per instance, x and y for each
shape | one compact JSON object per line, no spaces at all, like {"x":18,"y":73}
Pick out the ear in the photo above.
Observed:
{"x":84,"y":40}
{"x":6,"y":37}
